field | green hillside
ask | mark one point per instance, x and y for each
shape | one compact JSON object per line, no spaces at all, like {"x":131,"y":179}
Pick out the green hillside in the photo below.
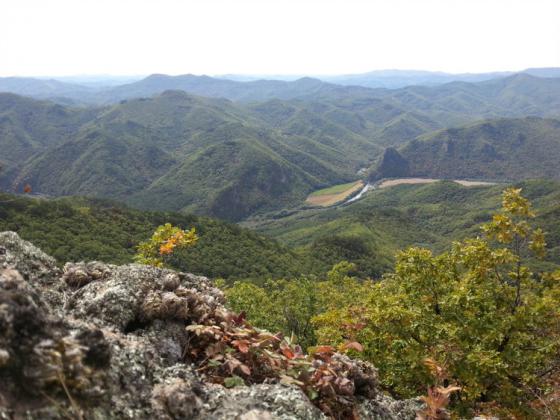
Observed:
{"x":28,"y":126}
{"x":74,"y":229}
{"x":367,"y":232}
{"x":505,"y":149}
{"x":458,"y":103}
{"x":370,"y":231}
{"x":178,"y":152}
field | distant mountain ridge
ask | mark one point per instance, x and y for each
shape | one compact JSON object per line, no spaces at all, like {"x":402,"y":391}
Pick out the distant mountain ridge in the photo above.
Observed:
{"x":68,"y":90}
{"x":258,"y":90}
{"x":394,"y":79}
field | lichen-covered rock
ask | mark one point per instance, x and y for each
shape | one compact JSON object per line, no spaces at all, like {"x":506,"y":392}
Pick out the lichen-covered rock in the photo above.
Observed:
{"x":134,"y":294}
{"x":272,"y":401}
{"x":41,"y":352}
{"x":80,"y":274}
{"x":100,"y":341}
{"x":382,"y":407}
{"x":32,"y":263}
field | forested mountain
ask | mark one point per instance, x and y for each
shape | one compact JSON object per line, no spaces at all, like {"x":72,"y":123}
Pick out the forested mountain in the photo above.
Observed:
{"x":394,"y":79}
{"x":257,"y":90}
{"x":504,"y":149}
{"x":89,"y":89}
{"x":455,"y":102}
{"x":155,"y":84}
{"x":173,"y":152}
{"x":28,"y":126}
{"x":460,"y":102}
{"x":277,"y":142}
{"x":82,"y":229}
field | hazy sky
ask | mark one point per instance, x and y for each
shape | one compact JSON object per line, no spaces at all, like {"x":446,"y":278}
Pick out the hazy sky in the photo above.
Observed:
{"x":132,"y":37}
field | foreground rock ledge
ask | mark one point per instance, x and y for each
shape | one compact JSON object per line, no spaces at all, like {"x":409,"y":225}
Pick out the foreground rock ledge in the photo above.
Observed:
{"x":89,"y":336}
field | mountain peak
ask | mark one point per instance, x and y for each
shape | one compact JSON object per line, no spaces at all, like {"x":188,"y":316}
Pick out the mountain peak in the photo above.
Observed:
{"x":308,"y":80}
{"x":156,"y":76}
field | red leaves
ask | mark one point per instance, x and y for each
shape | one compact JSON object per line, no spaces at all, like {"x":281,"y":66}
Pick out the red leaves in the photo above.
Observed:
{"x":232,"y":363}
{"x":166,"y":248}
{"x":323,"y":353}
{"x":232,"y":352}
{"x":437,"y":398}
{"x":288,"y":353}
{"x":27,"y":189}
{"x":245,"y":369}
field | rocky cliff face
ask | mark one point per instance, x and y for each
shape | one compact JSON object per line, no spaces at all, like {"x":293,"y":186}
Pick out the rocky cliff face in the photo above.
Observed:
{"x":97,"y":341}
{"x":391,"y":165}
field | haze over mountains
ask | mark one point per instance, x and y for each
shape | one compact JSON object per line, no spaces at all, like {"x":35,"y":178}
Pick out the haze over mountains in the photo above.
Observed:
{"x":107,"y":88}
{"x":231,"y":149}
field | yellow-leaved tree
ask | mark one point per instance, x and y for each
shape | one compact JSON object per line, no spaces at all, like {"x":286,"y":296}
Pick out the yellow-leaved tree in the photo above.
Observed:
{"x":164,"y":241}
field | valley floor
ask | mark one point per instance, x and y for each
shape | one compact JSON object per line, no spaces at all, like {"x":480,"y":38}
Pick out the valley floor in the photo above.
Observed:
{"x":399,"y":181}
{"x":333,"y":195}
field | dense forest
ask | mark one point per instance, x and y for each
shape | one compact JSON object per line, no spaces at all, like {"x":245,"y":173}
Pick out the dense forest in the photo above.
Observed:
{"x":369,"y":232}
{"x":76,"y":229}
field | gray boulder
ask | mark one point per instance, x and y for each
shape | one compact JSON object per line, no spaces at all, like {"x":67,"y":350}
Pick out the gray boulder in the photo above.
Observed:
{"x":98,"y":341}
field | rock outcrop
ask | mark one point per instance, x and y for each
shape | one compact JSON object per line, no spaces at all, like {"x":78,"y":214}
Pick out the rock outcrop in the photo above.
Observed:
{"x":391,"y":165}
{"x":98,"y":341}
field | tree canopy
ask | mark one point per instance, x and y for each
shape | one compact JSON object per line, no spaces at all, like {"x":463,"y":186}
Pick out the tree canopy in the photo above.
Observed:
{"x":476,"y":311}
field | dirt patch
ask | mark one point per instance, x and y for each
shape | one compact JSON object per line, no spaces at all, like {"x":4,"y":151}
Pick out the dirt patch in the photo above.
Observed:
{"x":400,"y":181}
{"x":473,"y":183}
{"x":392,"y":182}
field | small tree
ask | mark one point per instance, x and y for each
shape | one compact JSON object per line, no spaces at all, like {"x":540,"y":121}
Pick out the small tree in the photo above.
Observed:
{"x":477,"y":309}
{"x":163,"y":243}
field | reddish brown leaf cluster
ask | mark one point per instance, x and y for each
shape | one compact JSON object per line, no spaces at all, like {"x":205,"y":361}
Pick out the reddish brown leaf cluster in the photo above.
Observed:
{"x":233,"y":352}
{"x":436,"y":403}
{"x":437,"y":398}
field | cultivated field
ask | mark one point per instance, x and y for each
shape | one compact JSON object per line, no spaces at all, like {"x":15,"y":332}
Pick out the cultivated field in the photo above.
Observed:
{"x":333,"y":195}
